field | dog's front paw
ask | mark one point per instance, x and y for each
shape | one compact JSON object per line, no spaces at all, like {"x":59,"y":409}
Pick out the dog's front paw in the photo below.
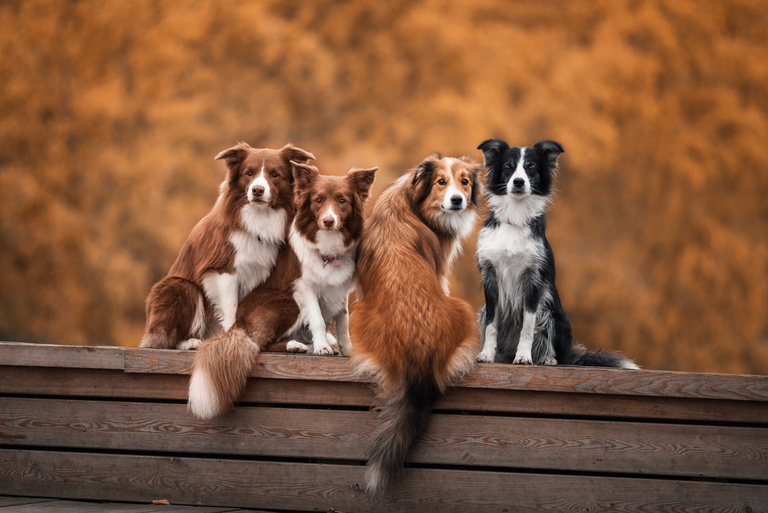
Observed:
{"x":325,"y":350}
{"x":522,"y":360}
{"x":549,"y":360}
{"x":333,"y":343}
{"x":485,"y":358}
{"x":296,"y":347}
{"x":192,"y":343}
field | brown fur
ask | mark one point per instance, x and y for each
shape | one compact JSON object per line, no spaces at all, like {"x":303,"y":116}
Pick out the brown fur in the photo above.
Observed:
{"x":172,"y":303}
{"x":412,"y":337}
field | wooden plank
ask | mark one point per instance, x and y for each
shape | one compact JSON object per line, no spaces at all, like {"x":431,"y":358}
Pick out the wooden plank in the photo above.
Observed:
{"x":6,"y":502}
{"x":318,"y":487}
{"x":586,"y":380}
{"x":64,"y":506}
{"x":62,"y":382}
{"x":472,"y":440}
{"x":49,"y":355}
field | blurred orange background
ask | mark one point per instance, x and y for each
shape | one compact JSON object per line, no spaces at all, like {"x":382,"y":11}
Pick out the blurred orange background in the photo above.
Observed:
{"x":111,"y":113}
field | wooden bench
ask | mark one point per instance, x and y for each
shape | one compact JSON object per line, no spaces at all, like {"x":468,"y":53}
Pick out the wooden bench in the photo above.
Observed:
{"x":111,"y":424}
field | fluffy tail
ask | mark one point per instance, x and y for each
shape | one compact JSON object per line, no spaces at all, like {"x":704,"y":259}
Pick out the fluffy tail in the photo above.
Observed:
{"x":404,"y":416}
{"x":580,"y":356}
{"x":220,"y":372}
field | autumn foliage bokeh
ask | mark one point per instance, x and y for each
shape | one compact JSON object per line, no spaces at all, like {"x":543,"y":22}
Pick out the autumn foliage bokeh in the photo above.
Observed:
{"x":111,"y":113}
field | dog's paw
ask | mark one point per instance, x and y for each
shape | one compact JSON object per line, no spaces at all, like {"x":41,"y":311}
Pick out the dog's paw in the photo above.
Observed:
{"x":296,"y":347}
{"x":192,"y":343}
{"x":522,"y":360}
{"x":333,"y":343}
{"x":323,"y":350}
{"x":549,"y":360}
{"x":484,"y":358}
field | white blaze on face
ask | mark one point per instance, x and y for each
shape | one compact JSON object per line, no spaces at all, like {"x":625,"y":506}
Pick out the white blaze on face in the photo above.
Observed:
{"x":452,"y":191}
{"x":259,"y":183}
{"x":520,"y":174}
{"x":328,"y":215}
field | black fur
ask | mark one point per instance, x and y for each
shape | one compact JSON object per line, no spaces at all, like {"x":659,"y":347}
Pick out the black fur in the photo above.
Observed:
{"x":517,"y":263}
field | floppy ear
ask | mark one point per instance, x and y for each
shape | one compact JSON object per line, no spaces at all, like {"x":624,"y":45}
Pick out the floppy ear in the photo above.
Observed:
{"x":551,"y":150}
{"x":234,"y":155}
{"x":491,"y":149}
{"x":361,"y":180}
{"x":424,"y":170}
{"x":303,"y":175}
{"x":296,"y":154}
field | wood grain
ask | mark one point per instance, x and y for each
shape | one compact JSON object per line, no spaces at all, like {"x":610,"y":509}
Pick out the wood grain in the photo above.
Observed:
{"x":116,"y":384}
{"x":18,"y":501}
{"x":471,"y":440}
{"x":584,"y":380}
{"x":316,"y":487}
{"x":49,"y":355}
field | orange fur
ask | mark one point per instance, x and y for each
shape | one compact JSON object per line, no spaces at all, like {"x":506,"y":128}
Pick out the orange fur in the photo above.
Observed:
{"x":407,"y":332}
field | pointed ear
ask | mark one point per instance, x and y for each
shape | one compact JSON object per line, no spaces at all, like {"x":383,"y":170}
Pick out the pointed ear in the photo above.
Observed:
{"x":234,"y":155}
{"x":424,"y":170}
{"x":551,"y":150}
{"x":303,"y":175}
{"x":361,"y":180}
{"x":296,"y":154}
{"x":491,"y":149}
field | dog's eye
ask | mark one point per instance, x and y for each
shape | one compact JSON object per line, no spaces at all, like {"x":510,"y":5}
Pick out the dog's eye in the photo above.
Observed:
{"x":275,"y":175}
{"x":441,"y":182}
{"x":342,"y":200}
{"x":465,"y":182}
{"x":318,"y":200}
{"x":249,"y":173}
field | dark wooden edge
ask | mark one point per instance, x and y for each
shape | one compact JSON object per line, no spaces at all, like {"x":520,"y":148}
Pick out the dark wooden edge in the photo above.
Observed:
{"x":584,"y":380}
{"x":317,"y":487}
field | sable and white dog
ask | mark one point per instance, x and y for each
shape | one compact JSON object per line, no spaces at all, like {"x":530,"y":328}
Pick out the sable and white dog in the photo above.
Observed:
{"x":522,"y":316}
{"x":325,"y":235}
{"x":411,"y":336}
{"x":229,"y":252}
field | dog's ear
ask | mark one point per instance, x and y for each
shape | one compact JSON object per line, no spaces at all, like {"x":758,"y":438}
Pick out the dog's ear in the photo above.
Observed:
{"x":424,"y":171}
{"x":491,"y":149}
{"x":295,"y":154}
{"x":361,"y":180}
{"x":551,"y":150}
{"x":234,"y":155}
{"x":303,"y":175}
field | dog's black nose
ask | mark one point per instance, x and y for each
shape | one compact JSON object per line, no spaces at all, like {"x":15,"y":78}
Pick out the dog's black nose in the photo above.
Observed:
{"x":518,"y":183}
{"x":456,"y":200}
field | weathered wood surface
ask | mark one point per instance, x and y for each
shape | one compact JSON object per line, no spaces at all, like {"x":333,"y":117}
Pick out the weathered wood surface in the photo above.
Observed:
{"x":111,"y":424}
{"x":294,"y":486}
{"x":31,"y":505}
{"x":95,"y":383}
{"x":472,"y":440}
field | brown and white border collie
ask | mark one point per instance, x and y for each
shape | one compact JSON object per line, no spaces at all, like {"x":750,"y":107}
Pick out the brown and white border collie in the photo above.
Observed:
{"x":410,"y":336}
{"x":229,"y":252}
{"x":325,"y":235}
{"x":308,"y":288}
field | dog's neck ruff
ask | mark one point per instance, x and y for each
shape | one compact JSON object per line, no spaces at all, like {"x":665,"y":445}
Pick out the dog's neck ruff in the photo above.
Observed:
{"x":518,"y":211}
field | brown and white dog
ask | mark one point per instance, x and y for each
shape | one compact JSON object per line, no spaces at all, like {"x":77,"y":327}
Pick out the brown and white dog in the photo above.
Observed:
{"x":308,"y":289}
{"x":229,"y":252}
{"x":410,"y":336}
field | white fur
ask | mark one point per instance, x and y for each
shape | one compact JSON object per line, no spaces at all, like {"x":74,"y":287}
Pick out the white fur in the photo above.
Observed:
{"x":488,"y":354}
{"x":322,"y":292}
{"x":202,"y":400}
{"x":260,"y":180}
{"x":524,"y":347}
{"x":254,"y":260}
{"x":520,"y":173}
{"x":198,"y":323}
{"x":518,"y":211}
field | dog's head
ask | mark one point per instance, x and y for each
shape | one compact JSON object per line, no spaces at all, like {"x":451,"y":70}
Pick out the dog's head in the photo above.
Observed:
{"x":445,"y":192}
{"x":520,"y":172}
{"x":261,"y":176}
{"x":330,"y":203}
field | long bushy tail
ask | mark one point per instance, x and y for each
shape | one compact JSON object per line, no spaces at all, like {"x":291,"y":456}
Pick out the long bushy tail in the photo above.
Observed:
{"x":220,"y":372}
{"x":405,"y":414}
{"x":600,"y":358}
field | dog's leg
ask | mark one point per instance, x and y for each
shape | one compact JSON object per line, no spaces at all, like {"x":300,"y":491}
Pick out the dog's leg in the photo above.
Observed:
{"x":342,"y":330}
{"x":224,"y":292}
{"x":310,"y":311}
{"x":488,"y":326}
{"x":532,"y":299}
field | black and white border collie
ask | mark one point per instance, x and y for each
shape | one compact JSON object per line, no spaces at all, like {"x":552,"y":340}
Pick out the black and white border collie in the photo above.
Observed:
{"x":523,"y":319}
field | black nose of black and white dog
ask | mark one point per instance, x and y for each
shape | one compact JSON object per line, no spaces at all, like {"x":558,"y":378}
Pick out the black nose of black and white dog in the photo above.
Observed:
{"x":456,"y":200}
{"x":518,"y":183}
